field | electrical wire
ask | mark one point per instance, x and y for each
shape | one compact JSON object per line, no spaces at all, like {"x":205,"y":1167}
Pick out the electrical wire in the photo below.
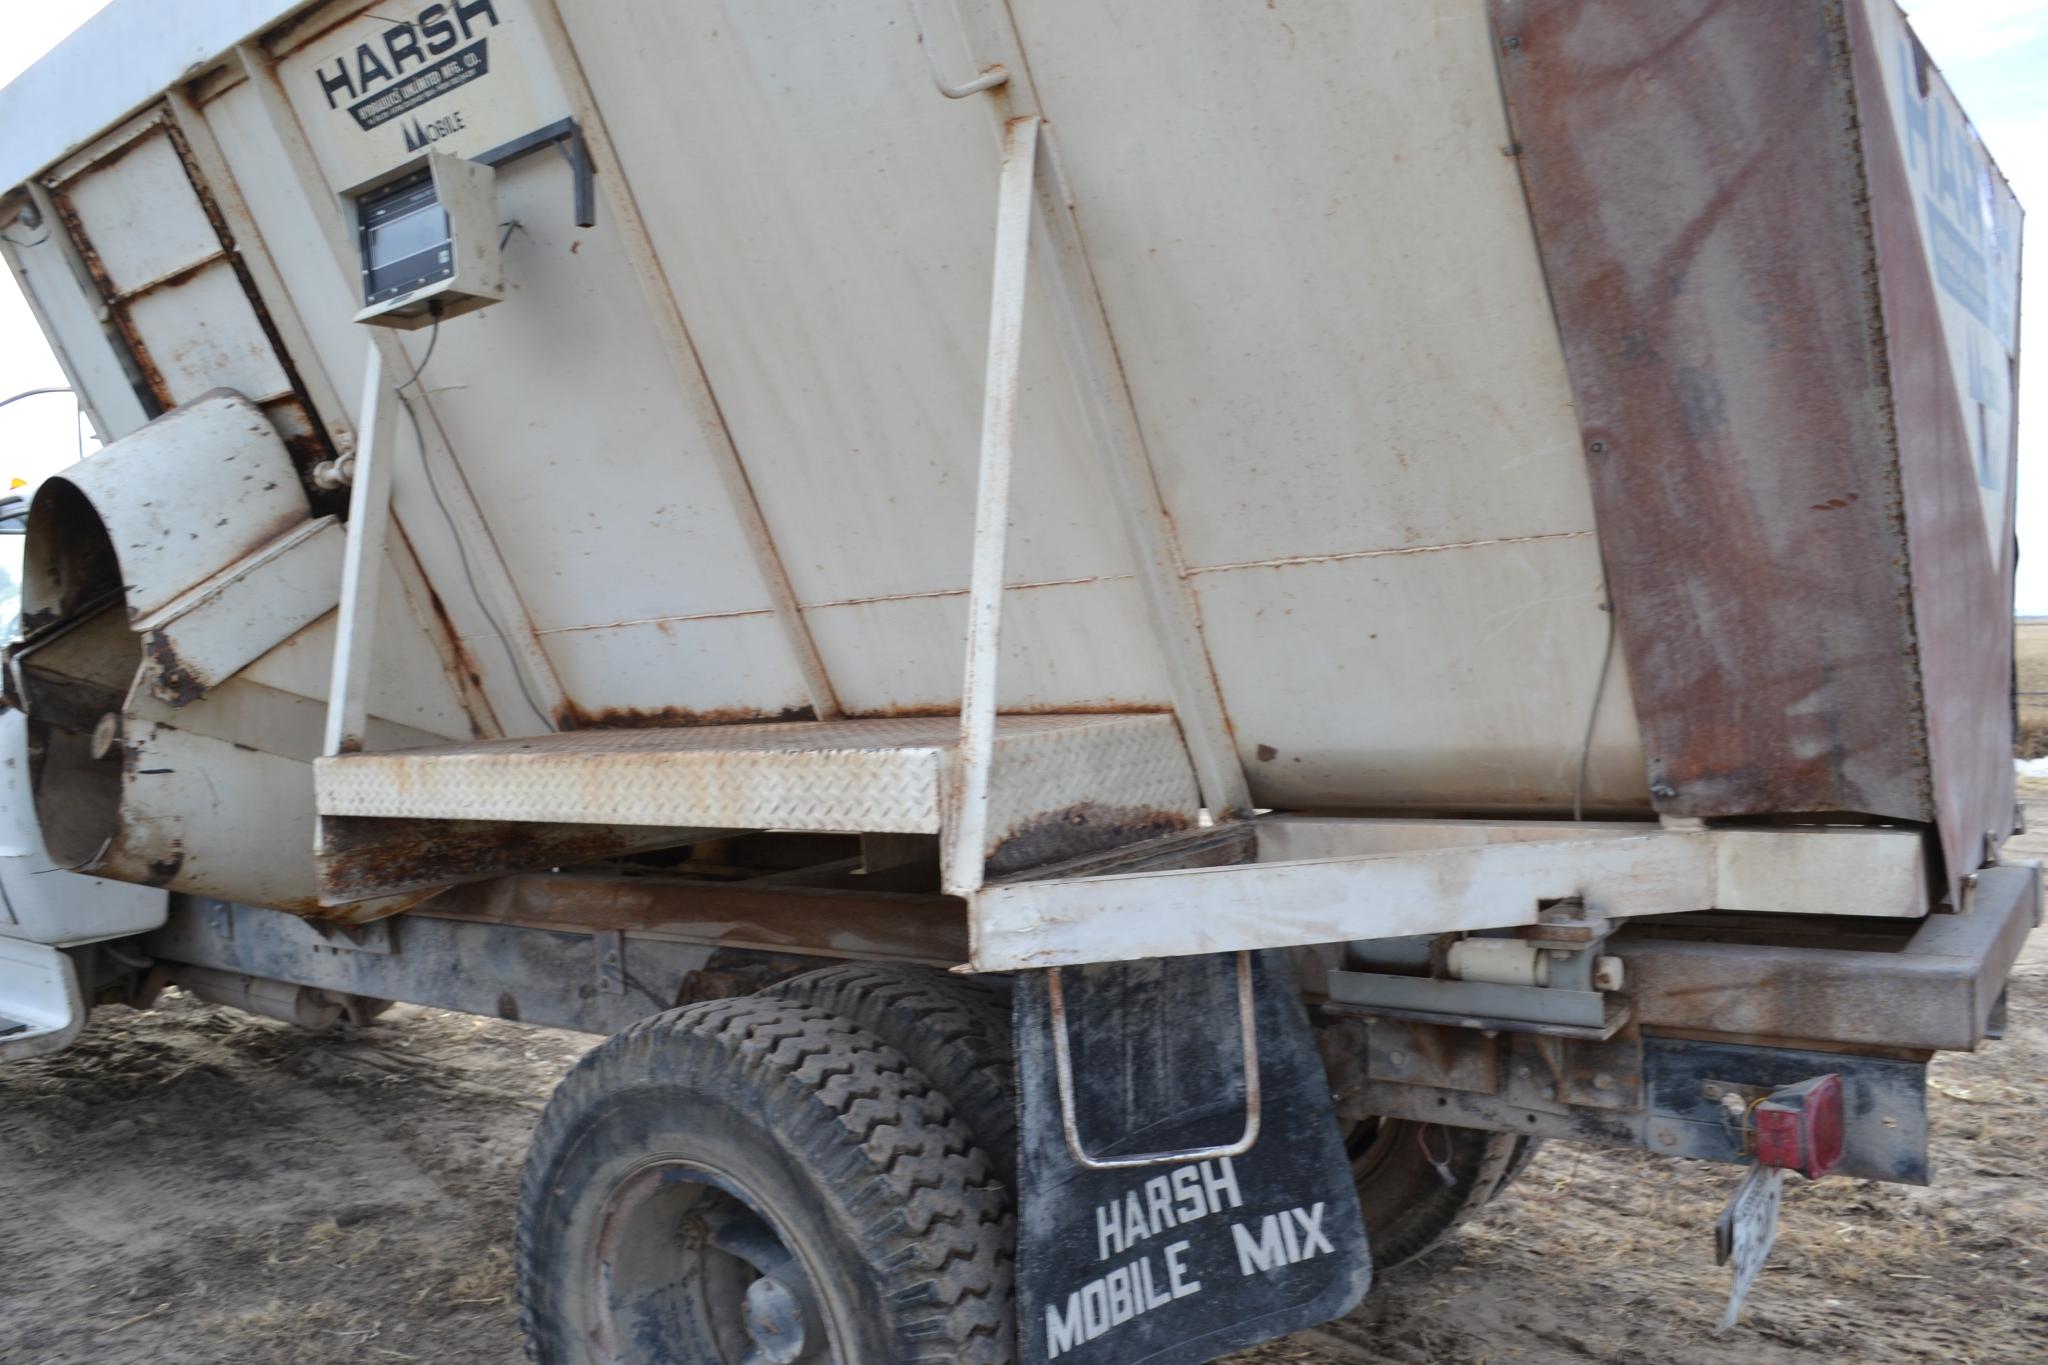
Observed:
{"x":461,"y":551}
{"x":433,"y":340}
{"x":1593,"y":713}
{"x":31,"y":393}
{"x":18,"y":242}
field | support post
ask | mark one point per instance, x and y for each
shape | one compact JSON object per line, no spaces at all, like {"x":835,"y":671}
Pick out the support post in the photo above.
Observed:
{"x":1083,"y":337}
{"x":967,"y":830}
{"x":362,"y":562}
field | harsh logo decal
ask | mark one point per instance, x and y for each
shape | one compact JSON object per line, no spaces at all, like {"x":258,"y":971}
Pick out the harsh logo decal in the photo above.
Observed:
{"x":411,"y":63}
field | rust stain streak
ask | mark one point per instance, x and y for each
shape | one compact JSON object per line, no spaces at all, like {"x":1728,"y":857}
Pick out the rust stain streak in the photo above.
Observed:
{"x":171,"y":278}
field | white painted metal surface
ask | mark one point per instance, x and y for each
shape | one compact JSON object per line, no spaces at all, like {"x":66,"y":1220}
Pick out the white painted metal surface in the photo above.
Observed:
{"x":1294,"y":448}
{"x":166,"y":273}
{"x":1460,"y":888}
{"x":41,"y":1010}
{"x":883,"y":776}
{"x":215,"y":630}
{"x":362,"y":565}
{"x":250,"y":497}
{"x":975,"y":756}
{"x":118,"y":60}
{"x":40,"y":901}
{"x":53,"y":283}
{"x":155,"y":768}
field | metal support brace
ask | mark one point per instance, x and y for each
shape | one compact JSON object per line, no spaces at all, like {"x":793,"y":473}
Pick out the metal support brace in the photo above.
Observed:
{"x":989,"y":79}
{"x":967,"y":831}
{"x":1083,"y":336}
{"x":362,"y":562}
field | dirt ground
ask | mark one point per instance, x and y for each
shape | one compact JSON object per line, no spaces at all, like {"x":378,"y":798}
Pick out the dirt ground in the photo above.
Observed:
{"x":2030,"y":657}
{"x":193,"y":1185}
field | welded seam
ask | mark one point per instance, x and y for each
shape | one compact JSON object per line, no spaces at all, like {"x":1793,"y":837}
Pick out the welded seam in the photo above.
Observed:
{"x":930,"y":594}
{"x":1347,"y":556}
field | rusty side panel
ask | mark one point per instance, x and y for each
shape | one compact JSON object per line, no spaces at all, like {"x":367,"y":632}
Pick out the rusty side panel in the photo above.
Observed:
{"x":1962,"y":594}
{"x":1693,"y":174}
{"x":175,"y":682}
{"x":1079,"y":829}
{"x":362,"y":859}
{"x":571,"y":716}
{"x":856,"y":924}
{"x":304,"y":435}
{"x":291,"y":412}
{"x":159,"y":392}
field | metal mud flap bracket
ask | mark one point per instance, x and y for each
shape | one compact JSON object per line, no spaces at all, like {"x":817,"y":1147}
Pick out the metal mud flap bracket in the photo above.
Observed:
{"x":1183,"y":1186}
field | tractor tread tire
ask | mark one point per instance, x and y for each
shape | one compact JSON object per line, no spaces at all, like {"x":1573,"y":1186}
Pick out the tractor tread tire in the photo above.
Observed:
{"x":956,"y":1032}
{"x":878,"y":1145}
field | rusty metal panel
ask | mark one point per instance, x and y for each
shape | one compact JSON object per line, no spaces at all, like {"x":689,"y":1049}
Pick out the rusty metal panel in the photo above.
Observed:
{"x":135,"y":212}
{"x":1947,"y":234}
{"x":1808,"y":541}
{"x":1936,"y":989}
{"x":362,"y":860}
{"x":1693,"y":175}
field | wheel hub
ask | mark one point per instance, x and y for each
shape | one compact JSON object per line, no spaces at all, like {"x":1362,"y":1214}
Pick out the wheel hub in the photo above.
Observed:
{"x":775,"y":1320}
{"x":728,"y":1287}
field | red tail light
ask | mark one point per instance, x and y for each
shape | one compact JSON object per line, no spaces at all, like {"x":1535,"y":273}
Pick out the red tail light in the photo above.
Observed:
{"x":1800,"y":1127}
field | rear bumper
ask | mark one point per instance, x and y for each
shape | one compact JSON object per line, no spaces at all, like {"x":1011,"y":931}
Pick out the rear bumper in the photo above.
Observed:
{"x":1935,"y":990}
{"x":1722,"y":1010}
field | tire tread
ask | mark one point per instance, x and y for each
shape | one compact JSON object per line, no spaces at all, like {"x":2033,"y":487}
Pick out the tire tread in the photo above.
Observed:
{"x":957,"y":1032}
{"x":934,"y":1222}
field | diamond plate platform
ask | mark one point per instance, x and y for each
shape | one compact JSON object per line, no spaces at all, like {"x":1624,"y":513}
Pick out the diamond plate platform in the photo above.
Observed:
{"x":1056,"y":781}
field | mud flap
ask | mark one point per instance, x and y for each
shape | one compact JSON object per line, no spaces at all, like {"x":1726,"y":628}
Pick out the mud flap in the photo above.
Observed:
{"x":1192,"y":1256}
